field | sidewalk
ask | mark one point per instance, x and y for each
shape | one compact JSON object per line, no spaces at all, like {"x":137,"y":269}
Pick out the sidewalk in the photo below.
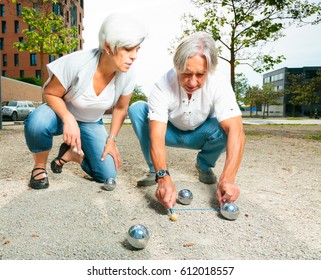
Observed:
{"x":253,"y":121}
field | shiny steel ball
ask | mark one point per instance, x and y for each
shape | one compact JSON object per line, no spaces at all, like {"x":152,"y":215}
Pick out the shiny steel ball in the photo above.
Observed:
{"x":230,"y":211}
{"x":109,"y":184}
{"x":185,"y":196}
{"x":138,"y":236}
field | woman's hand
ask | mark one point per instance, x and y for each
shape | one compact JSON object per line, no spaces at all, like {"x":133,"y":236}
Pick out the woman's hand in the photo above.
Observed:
{"x":71,"y":133}
{"x":110,"y":148}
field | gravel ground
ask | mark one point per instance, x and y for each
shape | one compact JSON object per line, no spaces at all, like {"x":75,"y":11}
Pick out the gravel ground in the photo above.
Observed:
{"x":74,"y":219}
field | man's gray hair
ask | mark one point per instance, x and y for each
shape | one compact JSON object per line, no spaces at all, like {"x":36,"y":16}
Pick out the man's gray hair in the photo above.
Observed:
{"x":121,"y":31}
{"x":196,"y":43}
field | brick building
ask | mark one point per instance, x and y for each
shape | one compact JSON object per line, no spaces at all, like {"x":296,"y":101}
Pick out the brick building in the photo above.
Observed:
{"x":15,"y":64}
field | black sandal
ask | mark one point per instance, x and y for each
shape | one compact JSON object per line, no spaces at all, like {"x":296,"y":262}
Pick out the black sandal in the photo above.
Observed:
{"x":39,"y":184}
{"x":54,"y":166}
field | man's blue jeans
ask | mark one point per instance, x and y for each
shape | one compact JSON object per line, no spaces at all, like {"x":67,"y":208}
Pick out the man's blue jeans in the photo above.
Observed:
{"x":209,"y":138}
{"x":43,"y":123}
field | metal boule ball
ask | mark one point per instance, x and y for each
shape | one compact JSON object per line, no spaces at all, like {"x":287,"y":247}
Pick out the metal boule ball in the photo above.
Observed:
{"x":109,"y":184}
{"x":230,"y":211}
{"x":138,"y":236}
{"x":185,"y":196}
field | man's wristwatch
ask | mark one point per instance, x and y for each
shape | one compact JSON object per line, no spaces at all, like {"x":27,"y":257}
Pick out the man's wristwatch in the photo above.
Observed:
{"x":161,"y":173}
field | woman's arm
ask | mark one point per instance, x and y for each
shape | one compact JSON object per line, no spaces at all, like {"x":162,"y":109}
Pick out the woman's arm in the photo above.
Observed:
{"x":53,"y":93}
{"x":118,"y":116}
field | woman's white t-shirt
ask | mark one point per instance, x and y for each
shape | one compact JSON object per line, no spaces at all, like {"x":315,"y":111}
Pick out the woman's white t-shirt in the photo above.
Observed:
{"x":75,"y":72}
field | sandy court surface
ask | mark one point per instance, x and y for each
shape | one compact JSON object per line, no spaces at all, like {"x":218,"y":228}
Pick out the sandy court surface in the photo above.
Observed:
{"x":280,"y":204}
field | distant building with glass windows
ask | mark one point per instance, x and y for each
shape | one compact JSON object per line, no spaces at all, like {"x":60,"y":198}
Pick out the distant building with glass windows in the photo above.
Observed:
{"x":15,"y":64}
{"x":280,"y":81}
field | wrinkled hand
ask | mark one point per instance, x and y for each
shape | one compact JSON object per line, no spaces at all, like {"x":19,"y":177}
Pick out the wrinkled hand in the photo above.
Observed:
{"x":71,"y":134}
{"x":166,"y":192}
{"x":111,"y":149}
{"x":227,"y":192}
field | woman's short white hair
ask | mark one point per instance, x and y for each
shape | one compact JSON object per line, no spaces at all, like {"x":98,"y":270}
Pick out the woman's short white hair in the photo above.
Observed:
{"x":120,"y":31}
{"x":196,"y":43}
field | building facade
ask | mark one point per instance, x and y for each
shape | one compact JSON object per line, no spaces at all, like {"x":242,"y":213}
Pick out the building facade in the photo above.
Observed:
{"x":16,"y":64}
{"x":280,"y":81}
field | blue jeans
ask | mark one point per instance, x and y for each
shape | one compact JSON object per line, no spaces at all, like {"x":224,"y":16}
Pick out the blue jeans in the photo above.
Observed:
{"x":209,"y":137}
{"x":43,"y":124}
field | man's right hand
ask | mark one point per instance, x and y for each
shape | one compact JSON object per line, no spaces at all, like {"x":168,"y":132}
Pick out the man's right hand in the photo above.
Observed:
{"x":166,"y":192}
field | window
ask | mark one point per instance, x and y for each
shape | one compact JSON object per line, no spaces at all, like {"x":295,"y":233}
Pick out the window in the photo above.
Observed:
{"x":21,"y":39}
{"x":33,"y":59}
{"x":16,"y":59}
{"x":1,"y":44}
{"x":18,"y":7}
{"x":22,"y":73}
{"x":51,"y":58}
{"x":36,"y":6}
{"x":267,"y":80}
{"x":4,"y":26}
{"x":4,"y":73}
{"x":4,"y":60}
{"x":2,"y":10}
{"x":57,"y":9}
{"x":16,"y":26}
{"x":38,"y":74}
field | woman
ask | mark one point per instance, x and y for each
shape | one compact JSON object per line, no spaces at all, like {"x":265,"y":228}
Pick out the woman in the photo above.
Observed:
{"x":80,"y":88}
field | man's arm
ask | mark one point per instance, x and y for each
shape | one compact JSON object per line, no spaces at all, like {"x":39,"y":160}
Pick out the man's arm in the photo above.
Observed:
{"x":166,"y":192}
{"x":227,"y":190}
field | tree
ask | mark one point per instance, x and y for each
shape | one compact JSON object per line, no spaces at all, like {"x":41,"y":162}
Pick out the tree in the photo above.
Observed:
{"x":243,"y":27}
{"x":303,"y":91}
{"x":252,"y":97}
{"x":241,"y":87}
{"x":269,"y":96}
{"x":137,"y":95}
{"x":47,"y":33}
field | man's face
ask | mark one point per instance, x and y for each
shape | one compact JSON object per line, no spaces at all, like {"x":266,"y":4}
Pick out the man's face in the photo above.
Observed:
{"x":195,"y":74}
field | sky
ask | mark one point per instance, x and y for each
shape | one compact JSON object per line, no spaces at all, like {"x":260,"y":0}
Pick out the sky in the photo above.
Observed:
{"x":300,"y":46}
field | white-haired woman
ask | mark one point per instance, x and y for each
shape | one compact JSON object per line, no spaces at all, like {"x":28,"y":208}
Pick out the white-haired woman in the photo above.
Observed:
{"x":80,"y":88}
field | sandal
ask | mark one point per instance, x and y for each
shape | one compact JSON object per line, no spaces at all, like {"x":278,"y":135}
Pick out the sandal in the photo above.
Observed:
{"x":38,"y":184}
{"x":54,"y":166}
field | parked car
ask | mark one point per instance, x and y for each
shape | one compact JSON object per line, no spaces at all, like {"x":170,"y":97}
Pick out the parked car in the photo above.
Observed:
{"x":17,"y":110}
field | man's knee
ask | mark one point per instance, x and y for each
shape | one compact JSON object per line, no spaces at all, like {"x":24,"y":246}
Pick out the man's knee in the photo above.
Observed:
{"x":136,"y":109}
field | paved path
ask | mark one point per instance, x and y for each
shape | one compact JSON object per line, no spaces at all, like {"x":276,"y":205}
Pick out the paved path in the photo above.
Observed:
{"x":254,"y":121}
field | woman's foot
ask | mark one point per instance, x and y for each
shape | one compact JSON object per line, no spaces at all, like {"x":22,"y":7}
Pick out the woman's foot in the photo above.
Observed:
{"x":57,"y":164}
{"x":69,"y":154}
{"x":39,"y":179}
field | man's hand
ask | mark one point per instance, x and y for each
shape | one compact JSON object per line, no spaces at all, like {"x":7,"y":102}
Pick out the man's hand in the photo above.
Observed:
{"x":166,"y":192}
{"x":227,"y":192}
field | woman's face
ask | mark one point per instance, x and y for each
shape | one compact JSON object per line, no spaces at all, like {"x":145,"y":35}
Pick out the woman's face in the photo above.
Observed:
{"x":194,"y":77}
{"x":125,"y":57}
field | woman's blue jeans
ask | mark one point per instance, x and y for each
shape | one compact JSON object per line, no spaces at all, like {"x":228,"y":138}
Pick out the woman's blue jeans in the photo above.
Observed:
{"x":43,"y":123}
{"x":209,"y":137}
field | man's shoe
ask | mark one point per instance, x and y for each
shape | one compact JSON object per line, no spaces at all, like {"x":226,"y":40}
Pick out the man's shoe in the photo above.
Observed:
{"x":206,"y":176}
{"x":147,"y":180}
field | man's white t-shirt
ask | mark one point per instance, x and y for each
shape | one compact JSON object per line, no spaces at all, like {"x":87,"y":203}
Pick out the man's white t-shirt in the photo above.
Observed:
{"x":168,"y":101}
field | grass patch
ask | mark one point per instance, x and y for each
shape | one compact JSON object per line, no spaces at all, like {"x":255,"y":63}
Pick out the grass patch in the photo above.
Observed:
{"x":313,"y":137}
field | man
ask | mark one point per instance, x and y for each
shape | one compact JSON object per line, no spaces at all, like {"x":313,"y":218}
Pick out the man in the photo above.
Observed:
{"x":192,"y":107}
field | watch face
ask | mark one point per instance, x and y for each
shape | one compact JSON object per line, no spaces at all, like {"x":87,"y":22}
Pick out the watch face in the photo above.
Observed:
{"x":161,"y":173}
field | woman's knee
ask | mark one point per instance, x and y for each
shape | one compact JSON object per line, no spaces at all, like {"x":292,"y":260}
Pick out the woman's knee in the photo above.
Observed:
{"x":40,"y":121}
{"x":105,"y":170}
